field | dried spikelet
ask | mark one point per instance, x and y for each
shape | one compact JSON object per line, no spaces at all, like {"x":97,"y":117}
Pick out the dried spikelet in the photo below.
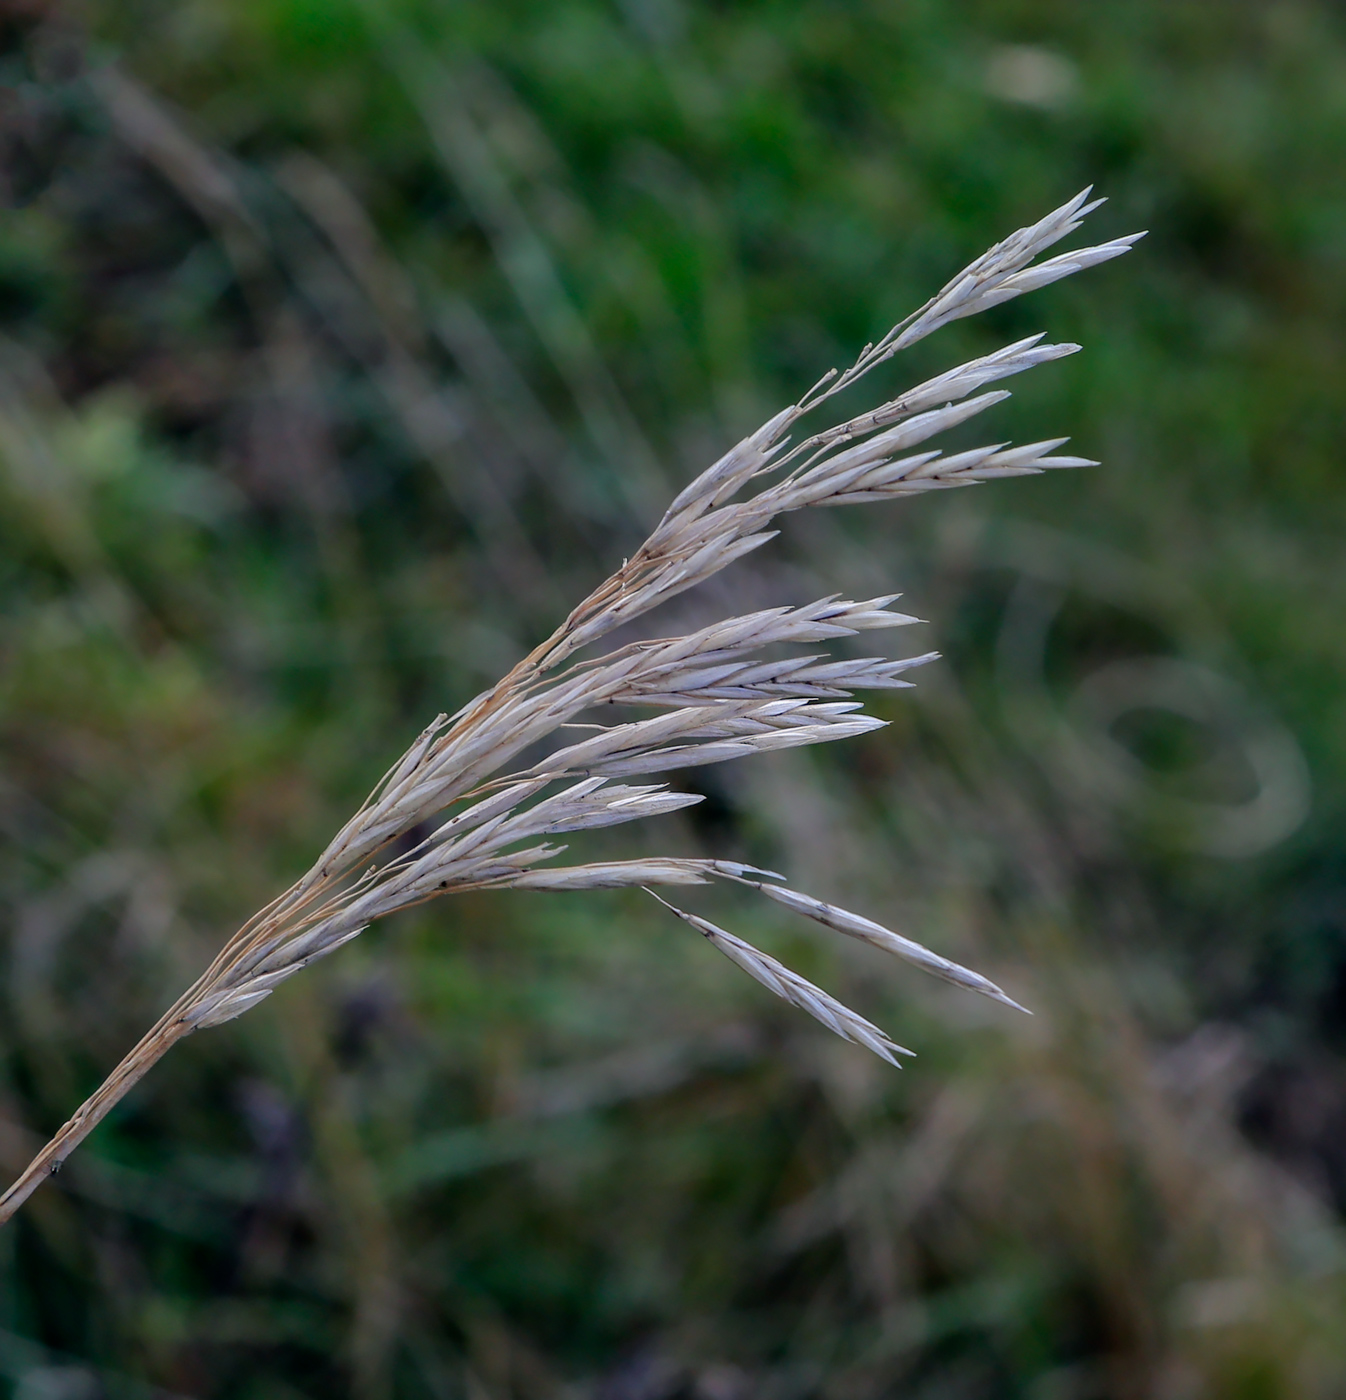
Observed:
{"x":719,"y":697}
{"x":791,"y":987}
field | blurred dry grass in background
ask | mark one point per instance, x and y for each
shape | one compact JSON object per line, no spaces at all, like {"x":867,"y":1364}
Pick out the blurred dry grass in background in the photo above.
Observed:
{"x":344,"y":347}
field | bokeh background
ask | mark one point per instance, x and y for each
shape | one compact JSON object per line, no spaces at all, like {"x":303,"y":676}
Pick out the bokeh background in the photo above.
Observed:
{"x":344,"y":345}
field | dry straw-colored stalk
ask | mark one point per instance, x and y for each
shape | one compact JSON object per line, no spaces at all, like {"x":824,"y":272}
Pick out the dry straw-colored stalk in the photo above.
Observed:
{"x":714,"y":696}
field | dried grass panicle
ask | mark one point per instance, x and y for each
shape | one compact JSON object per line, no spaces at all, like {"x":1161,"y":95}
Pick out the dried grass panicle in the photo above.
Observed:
{"x":718,"y":696}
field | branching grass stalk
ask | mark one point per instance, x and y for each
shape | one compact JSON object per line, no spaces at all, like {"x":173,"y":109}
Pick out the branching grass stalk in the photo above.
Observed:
{"x":714,"y":697}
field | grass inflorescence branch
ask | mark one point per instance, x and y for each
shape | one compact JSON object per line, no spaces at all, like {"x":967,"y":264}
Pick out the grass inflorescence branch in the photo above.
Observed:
{"x":715,"y":694}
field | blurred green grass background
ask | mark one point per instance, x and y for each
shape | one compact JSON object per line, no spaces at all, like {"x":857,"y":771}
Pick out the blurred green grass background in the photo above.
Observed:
{"x":346,"y":344}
